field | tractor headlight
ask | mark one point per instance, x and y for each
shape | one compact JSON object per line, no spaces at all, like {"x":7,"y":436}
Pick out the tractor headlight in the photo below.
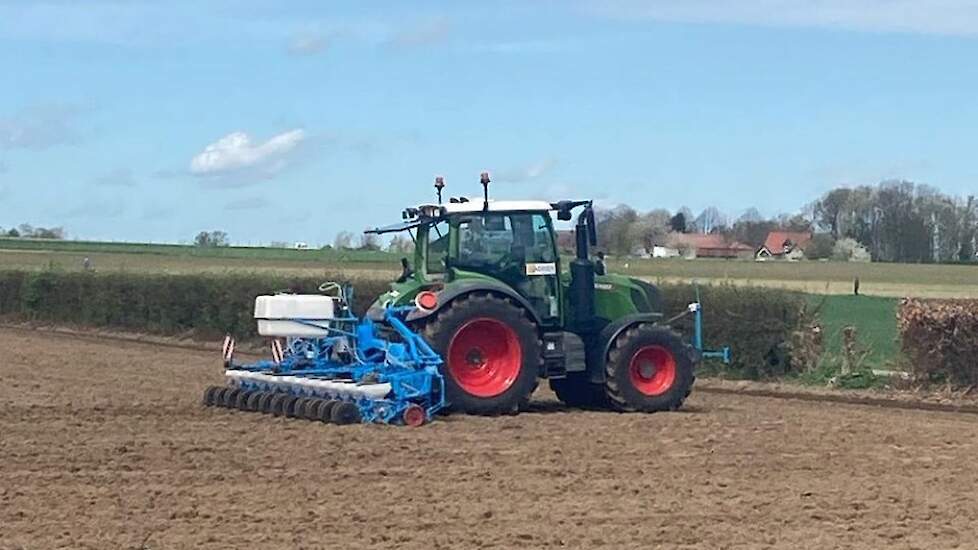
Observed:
{"x":426,"y":300}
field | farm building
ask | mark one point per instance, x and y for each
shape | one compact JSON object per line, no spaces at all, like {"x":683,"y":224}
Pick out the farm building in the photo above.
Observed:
{"x":664,"y":252}
{"x":784,"y":245}
{"x":696,"y":245}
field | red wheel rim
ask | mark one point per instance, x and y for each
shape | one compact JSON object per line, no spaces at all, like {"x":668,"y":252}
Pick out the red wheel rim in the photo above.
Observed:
{"x":414,"y":416}
{"x":485,"y":357}
{"x":652,"y":370}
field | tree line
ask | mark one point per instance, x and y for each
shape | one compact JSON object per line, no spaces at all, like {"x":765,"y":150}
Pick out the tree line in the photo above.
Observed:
{"x":895,"y":221}
{"x":28,"y":231}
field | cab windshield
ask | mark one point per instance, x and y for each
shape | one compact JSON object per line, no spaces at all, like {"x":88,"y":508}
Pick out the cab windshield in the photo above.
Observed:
{"x":496,"y":242}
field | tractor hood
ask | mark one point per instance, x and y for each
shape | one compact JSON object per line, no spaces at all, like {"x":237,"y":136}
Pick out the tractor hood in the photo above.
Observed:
{"x":400,"y":294}
{"x":619,"y":295}
{"x":404,"y":294}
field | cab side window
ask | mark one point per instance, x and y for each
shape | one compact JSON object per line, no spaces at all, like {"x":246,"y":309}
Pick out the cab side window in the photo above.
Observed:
{"x":532,"y":239}
{"x":484,"y":241}
{"x":437,"y":247}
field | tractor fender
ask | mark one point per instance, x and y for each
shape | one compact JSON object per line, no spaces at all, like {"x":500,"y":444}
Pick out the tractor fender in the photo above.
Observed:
{"x":451,"y":291}
{"x":597,"y":352}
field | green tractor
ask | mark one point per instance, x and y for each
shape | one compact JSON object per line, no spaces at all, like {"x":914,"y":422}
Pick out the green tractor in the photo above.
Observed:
{"x":494,"y":300}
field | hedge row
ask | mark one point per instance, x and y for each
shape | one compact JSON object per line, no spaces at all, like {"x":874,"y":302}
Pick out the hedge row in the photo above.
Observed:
{"x":202,"y":304}
{"x":755,"y":322}
{"x":941,"y":339}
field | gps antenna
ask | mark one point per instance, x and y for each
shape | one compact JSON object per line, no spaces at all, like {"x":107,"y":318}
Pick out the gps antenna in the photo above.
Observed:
{"x":484,"y":180}
{"x":439,"y":185}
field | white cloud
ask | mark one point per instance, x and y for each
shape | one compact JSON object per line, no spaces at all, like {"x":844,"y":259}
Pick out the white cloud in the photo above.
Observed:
{"x":310,"y":43}
{"x":526,"y":173}
{"x":39,"y":127}
{"x":236,"y":154}
{"x":955,"y":17}
{"x":120,"y":177}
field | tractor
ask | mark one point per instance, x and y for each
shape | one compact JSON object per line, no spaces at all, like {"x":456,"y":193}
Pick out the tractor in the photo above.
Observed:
{"x":495,"y":300}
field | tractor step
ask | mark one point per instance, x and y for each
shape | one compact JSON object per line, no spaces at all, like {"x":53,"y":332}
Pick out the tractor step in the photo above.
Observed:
{"x":563,"y":352}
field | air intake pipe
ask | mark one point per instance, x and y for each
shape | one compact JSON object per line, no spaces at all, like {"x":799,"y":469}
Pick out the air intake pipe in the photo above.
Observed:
{"x":582,"y":270}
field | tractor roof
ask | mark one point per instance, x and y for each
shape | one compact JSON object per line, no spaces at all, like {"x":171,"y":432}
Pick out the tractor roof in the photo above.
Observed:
{"x":474,"y":205}
{"x":426,"y":214}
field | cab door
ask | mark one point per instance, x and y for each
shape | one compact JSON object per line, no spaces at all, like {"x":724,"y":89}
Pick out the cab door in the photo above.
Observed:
{"x":519,"y":250}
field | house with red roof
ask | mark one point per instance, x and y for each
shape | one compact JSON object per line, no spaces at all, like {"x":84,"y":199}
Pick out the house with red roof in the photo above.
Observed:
{"x":697,"y":245}
{"x":784,"y":245}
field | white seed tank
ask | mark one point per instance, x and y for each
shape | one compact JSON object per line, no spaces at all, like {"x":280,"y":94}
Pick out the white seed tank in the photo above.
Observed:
{"x":279,"y":315}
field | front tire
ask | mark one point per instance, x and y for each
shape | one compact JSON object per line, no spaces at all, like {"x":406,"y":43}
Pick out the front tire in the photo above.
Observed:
{"x":492,"y":354}
{"x":648,"y":369}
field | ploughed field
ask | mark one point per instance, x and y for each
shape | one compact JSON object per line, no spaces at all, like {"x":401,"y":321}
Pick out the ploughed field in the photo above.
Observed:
{"x":103,"y":444}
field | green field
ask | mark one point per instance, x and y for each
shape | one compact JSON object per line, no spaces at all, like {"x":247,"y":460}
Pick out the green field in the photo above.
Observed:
{"x":182,"y":250}
{"x":876,"y":279}
{"x":181,"y":259}
{"x":876,"y":327}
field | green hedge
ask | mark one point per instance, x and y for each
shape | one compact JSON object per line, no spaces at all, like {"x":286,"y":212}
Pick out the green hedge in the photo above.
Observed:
{"x":755,"y":322}
{"x":941,"y":339}
{"x":167,"y":304}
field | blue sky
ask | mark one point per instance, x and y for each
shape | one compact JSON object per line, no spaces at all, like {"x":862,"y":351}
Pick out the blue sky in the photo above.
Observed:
{"x":153,"y":120}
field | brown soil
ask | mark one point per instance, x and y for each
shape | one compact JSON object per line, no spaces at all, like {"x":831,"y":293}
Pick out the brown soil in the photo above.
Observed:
{"x":104,"y":445}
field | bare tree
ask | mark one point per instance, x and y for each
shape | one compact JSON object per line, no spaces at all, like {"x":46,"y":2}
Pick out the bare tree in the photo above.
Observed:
{"x":751,"y":215}
{"x":369,"y":241}
{"x":343,"y":240}
{"x":211,"y":239}
{"x":400,"y":245}
{"x":711,"y":220}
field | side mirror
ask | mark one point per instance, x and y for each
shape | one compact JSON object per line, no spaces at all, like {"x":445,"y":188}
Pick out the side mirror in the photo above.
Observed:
{"x":563,"y":209}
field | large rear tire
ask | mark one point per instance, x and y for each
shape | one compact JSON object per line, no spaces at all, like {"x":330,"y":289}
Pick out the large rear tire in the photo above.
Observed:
{"x":492,"y":354}
{"x":648,"y":369}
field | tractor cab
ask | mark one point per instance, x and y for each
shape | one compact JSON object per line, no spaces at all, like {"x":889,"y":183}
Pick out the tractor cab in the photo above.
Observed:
{"x":511,"y":242}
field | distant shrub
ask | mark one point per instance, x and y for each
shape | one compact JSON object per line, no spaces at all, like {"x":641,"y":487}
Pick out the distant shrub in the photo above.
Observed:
{"x":849,"y":250}
{"x":941,"y":339}
{"x":820,"y":247}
